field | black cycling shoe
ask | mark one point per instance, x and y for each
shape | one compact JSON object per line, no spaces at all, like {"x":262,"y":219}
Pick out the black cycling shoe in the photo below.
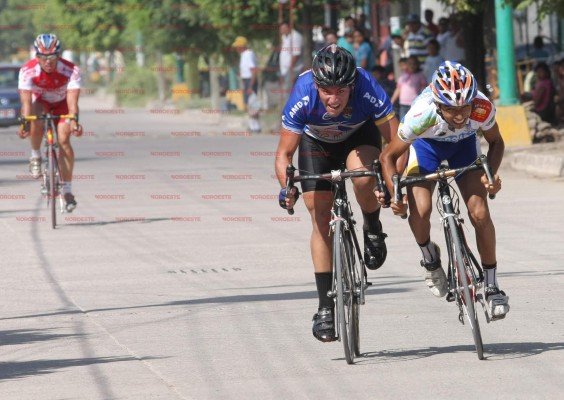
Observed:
{"x":375,"y":250}
{"x":323,"y":327}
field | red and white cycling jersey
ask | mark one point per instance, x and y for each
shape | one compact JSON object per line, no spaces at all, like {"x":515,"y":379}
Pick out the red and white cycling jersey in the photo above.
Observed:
{"x":49,"y":88}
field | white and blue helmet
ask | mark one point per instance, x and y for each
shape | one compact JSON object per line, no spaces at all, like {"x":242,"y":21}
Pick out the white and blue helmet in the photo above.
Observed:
{"x":453,"y":85}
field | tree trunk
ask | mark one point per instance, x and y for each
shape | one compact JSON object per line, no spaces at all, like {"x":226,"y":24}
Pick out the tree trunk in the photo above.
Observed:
{"x":307,"y":27}
{"x":214,"y":83}
{"x":161,"y":82}
{"x":473,"y":31}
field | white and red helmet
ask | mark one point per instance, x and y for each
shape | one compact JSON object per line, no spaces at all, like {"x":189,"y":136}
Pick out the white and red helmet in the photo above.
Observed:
{"x":47,"y":43}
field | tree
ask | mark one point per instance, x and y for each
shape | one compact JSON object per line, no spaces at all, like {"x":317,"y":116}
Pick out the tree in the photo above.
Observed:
{"x":16,"y":26}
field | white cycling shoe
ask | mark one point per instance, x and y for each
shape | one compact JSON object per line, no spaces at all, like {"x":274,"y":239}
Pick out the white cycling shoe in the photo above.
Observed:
{"x":497,"y":303}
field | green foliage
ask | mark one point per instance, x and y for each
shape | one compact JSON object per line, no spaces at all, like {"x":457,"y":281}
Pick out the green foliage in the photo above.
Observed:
{"x":16,"y":26}
{"x":135,"y":87}
{"x":94,"y":25}
{"x":546,"y":7}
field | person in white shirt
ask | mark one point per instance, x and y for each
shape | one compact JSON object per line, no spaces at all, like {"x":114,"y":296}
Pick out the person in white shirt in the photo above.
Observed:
{"x":433,"y":60}
{"x":248,"y":73}
{"x":291,"y":60}
{"x":453,"y":44}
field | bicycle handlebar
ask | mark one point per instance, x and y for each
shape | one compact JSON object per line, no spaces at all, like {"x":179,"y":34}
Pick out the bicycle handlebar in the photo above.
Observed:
{"x":441,"y":174}
{"x":333,"y":176}
{"x":25,"y":118}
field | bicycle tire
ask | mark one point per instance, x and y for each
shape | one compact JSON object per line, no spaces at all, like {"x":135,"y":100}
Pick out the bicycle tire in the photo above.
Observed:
{"x":468,"y":295}
{"x":353,"y":283}
{"x":52,"y":187}
{"x":343,"y":293}
{"x":355,"y":286}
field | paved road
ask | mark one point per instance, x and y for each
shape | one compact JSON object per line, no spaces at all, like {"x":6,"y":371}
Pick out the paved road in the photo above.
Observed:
{"x":178,"y":277}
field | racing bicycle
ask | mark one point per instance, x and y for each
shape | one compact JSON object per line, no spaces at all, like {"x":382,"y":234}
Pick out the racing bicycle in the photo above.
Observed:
{"x":349,"y":271}
{"x":52,"y":182}
{"x":465,"y":274}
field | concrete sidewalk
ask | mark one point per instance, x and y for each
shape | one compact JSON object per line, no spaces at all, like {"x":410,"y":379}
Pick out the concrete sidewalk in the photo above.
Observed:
{"x":544,"y":160}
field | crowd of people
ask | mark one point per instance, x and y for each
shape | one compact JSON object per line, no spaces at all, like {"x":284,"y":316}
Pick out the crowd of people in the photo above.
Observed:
{"x":544,"y":84}
{"x":403,"y":63}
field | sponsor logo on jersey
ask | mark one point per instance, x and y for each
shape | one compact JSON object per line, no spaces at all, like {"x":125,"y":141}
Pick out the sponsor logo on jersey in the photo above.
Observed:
{"x":304,"y":101}
{"x":481,"y":111}
{"x":373,"y":99}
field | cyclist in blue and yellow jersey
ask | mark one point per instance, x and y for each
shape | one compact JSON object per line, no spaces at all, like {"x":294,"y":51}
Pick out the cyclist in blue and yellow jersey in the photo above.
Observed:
{"x":442,"y":124}
{"x":336,"y":114}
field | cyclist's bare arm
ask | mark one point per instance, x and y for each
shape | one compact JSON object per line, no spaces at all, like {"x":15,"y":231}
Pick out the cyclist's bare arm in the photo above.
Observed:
{"x":72,"y":103}
{"x":396,"y":149}
{"x":495,"y":155}
{"x":25,"y":98}
{"x":388,"y":130}
{"x":287,"y":146}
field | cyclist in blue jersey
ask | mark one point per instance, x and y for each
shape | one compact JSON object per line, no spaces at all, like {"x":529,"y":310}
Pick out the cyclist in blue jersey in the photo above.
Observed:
{"x":336,"y":114}
{"x":442,"y":125}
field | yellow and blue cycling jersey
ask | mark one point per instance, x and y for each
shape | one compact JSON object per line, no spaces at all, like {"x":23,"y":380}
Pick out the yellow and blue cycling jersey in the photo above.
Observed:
{"x":305,"y":113}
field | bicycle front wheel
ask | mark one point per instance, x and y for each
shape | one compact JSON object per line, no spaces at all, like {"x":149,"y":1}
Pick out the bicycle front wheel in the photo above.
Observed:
{"x":463,"y":279}
{"x":344,"y":292}
{"x":52,"y":187}
{"x":354,"y":274}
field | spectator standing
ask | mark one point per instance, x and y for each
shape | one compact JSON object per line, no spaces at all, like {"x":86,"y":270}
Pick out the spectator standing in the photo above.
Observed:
{"x":443,"y":34}
{"x":291,"y":60}
{"x":431,"y":26}
{"x":543,"y":93}
{"x":363,"y":53}
{"x":330,"y":37}
{"x":248,"y":74}
{"x":559,"y":98}
{"x":409,"y":85}
{"x":453,"y":45}
{"x":433,"y":60}
{"x":417,"y":38}
{"x":539,"y":53}
{"x":346,"y":41}
{"x":380,"y":74}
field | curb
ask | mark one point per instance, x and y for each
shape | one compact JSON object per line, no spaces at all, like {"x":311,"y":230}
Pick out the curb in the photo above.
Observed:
{"x":547,"y":166}
{"x":542,"y":160}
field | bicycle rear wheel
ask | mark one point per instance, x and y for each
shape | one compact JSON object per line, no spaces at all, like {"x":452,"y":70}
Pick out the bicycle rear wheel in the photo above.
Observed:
{"x":463,"y":278}
{"x":52,"y":187}
{"x":344,"y":293}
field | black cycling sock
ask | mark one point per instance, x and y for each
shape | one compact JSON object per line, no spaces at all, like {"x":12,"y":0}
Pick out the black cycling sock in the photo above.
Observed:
{"x":490,"y":274}
{"x":324,"y":281}
{"x":372,"y":221}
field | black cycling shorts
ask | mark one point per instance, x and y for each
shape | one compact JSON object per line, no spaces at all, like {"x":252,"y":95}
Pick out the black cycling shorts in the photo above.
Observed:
{"x":317,"y":157}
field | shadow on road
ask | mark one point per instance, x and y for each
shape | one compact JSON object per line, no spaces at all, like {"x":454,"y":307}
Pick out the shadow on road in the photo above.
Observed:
{"x":21,"y":369}
{"x":492,"y":352}
{"x":27,"y":336}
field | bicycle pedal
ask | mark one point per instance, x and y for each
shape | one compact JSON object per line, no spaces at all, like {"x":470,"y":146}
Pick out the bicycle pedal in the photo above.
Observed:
{"x":368,"y":283}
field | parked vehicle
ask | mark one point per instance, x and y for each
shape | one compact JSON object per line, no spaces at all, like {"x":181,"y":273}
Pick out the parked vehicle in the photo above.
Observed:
{"x":10,"y":105}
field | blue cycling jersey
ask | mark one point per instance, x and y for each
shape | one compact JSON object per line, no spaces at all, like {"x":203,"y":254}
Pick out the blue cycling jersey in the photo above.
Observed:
{"x":304,"y":111}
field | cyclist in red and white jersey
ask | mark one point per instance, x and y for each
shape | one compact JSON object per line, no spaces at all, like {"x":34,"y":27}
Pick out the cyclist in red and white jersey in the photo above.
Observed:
{"x":51,"y":84}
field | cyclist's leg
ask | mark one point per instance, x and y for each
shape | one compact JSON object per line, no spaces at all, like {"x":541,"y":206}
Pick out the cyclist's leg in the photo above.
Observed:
{"x":362,"y":148}
{"x":424,"y":157}
{"x":318,"y":199}
{"x":36,"y":136}
{"x":474,"y":195}
{"x":66,"y":154}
